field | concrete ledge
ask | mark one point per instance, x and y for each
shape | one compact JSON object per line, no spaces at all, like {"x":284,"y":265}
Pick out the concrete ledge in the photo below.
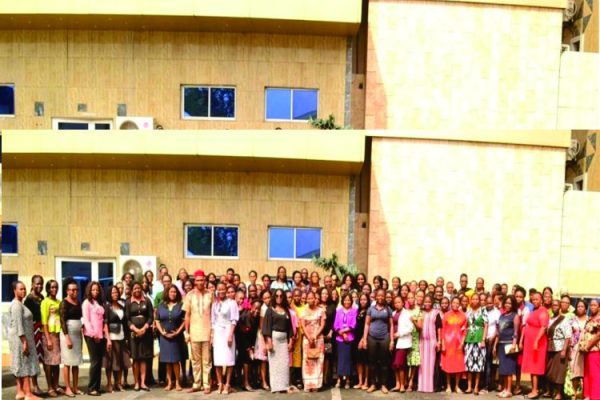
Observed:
{"x":321,"y":16}
{"x":340,"y":152}
{"x":545,"y":138}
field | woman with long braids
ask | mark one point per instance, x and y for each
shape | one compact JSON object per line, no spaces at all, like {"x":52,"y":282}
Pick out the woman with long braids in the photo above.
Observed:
{"x":51,"y":340}
{"x":279,"y":340}
{"x":93,"y":331}
{"x":312,"y":324}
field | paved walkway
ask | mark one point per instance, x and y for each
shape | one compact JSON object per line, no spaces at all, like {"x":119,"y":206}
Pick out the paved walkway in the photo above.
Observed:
{"x":9,"y":392}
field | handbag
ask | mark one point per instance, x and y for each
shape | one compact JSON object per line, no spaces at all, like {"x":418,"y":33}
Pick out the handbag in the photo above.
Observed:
{"x":313,"y":353}
{"x":510,"y":349}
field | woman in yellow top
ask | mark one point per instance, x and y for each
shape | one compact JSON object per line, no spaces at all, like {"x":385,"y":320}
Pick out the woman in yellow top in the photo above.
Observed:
{"x":50,"y":338}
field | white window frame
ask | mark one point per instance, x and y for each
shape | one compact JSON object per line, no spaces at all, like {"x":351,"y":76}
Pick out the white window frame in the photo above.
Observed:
{"x":295,"y":228}
{"x":212,"y":241}
{"x":9,"y":273}
{"x":15,"y":100}
{"x":305,"y":121}
{"x":93,"y":261}
{"x":209,"y":87}
{"x":17,"y":225}
{"x":91,"y":122}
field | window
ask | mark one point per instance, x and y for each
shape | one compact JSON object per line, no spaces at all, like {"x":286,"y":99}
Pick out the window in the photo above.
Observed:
{"x":294,"y":243}
{"x":7,"y":281}
{"x":81,"y":124}
{"x":211,"y":241}
{"x":291,"y":104}
{"x":7,"y":100}
{"x":202,"y":102}
{"x":10,"y":239}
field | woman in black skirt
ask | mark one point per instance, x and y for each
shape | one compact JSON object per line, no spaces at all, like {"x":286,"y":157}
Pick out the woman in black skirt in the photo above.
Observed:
{"x":360,"y":352}
{"x":117,"y":356}
{"x":139,"y":312}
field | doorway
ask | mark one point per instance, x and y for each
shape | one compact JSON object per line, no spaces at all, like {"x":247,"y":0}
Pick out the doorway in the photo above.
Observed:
{"x":85,"y":270}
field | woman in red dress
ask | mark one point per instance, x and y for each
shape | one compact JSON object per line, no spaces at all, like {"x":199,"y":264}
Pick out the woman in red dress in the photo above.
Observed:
{"x":454,"y":327}
{"x":535,"y":343}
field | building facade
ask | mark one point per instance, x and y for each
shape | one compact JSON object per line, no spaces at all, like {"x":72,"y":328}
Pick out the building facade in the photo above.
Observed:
{"x":462,"y":115}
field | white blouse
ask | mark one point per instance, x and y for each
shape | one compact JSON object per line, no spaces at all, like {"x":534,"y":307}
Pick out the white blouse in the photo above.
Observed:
{"x":224,"y":313}
{"x":405,"y":329}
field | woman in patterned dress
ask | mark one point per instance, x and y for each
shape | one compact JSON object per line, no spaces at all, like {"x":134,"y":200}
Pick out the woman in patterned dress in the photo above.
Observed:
{"x":559,"y":340}
{"x":414,"y":356}
{"x":51,"y":339}
{"x":24,"y":363}
{"x":33,"y":301}
{"x":312,"y":324}
{"x":260,"y":349}
{"x":477,"y":325}
{"x":590,"y":346}
{"x":576,"y":364}
{"x":428,"y":346}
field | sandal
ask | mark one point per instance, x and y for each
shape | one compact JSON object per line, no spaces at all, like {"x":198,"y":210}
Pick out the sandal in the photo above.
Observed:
{"x":69,"y":394}
{"x":357,"y":386}
{"x":52,"y":393}
{"x":347,"y":385}
{"x":384,"y":390}
{"x":248,"y":388}
{"x":227,"y":389}
{"x":371,"y":389}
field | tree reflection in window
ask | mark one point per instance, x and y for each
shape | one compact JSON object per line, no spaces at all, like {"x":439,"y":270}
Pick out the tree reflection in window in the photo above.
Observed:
{"x":222,"y":102}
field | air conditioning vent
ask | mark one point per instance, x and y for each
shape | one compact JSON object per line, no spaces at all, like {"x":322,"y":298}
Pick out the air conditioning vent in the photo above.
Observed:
{"x":141,"y":123}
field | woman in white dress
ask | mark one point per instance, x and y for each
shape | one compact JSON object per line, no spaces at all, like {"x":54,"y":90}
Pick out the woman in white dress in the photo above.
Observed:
{"x":225,"y":315}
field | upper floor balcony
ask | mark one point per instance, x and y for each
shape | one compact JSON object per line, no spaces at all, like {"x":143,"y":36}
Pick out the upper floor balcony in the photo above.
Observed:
{"x":335,"y":17}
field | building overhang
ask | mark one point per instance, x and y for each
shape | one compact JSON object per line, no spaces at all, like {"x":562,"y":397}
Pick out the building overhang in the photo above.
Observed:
{"x":292,"y":151}
{"x":334,"y":17}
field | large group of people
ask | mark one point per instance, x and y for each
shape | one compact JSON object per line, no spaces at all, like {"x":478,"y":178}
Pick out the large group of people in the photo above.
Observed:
{"x":304,"y":332}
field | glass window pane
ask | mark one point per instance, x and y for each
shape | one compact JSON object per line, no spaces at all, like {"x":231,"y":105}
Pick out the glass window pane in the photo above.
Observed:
{"x":7,"y":101}
{"x":308,"y":243}
{"x":10,"y":240}
{"x":105,"y":275}
{"x":73,"y":126}
{"x":281,"y":243}
{"x":102,"y":126}
{"x":195,"y":102}
{"x":81,"y":271}
{"x":279,"y":103}
{"x":222,"y":103}
{"x":199,"y":241}
{"x":7,"y":291}
{"x":226,"y":241}
{"x":305,"y":104}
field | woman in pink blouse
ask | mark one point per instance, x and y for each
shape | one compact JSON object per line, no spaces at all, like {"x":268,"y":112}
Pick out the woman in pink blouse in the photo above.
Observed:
{"x":93,"y":323}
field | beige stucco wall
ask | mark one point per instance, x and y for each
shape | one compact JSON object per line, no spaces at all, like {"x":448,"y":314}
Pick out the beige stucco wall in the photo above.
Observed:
{"x":145,"y":70}
{"x":148,"y":209}
{"x":580,"y":257}
{"x":446,"y":207}
{"x":579,"y":91}
{"x":435,"y":64}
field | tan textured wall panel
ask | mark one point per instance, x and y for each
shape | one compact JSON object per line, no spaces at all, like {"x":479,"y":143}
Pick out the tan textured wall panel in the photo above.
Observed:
{"x":580,"y":271}
{"x":146,"y":69}
{"x":442,"y":208}
{"x":435,"y":64}
{"x":148,"y":209}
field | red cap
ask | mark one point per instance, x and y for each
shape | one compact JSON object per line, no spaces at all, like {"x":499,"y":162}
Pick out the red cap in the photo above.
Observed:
{"x":198,"y":273}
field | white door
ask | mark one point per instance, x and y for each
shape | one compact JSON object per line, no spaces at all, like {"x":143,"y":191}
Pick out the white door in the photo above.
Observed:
{"x":85,"y":270}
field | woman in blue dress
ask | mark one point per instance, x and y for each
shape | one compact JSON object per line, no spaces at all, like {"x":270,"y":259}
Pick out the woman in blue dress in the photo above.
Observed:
{"x":170,"y":324}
